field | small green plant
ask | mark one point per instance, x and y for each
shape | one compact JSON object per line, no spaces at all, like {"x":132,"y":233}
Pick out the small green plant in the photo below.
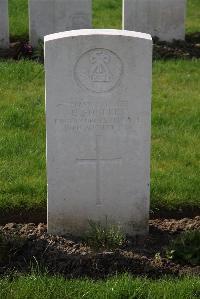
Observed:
{"x":104,"y":236}
{"x":158,"y":259}
{"x":185,"y":248}
{"x":38,"y":53}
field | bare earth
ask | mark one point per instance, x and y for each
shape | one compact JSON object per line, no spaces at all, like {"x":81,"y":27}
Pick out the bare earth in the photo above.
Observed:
{"x":144,"y":256}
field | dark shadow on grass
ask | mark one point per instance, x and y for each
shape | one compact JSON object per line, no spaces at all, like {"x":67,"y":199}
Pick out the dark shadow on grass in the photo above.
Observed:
{"x":39,"y":214}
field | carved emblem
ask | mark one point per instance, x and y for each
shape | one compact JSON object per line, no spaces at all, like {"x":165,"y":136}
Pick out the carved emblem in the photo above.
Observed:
{"x":98,"y":70}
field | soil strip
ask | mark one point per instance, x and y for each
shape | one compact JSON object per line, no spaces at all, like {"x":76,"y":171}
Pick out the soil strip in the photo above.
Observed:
{"x":140,"y":256}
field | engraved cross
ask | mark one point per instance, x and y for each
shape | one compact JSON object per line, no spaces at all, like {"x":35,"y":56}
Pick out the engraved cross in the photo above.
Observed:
{"x":97,"y":160}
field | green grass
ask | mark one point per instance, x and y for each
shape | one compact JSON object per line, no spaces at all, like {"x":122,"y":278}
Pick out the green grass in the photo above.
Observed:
{"x":123,"y":287}
{"x":22,"y":134}
{"x":106,"y":14}
{"x":18,"y":13}
{"x":185,"y":248}
{"x":175,"y":159}
{"x":175,"y":176}
{"x":193,"y":16}
{"x":175,"y":120}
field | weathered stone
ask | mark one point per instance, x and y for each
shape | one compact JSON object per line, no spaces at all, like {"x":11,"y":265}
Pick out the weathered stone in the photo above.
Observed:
{"x":98,"y":107}
{"x":164,"y":19}
{"x":4,"y":24}
{"x":51,"y":16}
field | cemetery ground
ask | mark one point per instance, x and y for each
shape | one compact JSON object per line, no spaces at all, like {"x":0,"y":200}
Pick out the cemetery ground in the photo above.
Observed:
{"x":175,"y":182}
{"x":175,"y":139}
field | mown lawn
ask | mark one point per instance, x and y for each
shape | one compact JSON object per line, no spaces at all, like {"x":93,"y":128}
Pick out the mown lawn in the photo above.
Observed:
{"x":175,"y":178}
{"x":193,"y":16}
{"x":45,"y":287}
{"x":175,"y":120}
{"x":106,"y":14}
{"x":22,"y":134}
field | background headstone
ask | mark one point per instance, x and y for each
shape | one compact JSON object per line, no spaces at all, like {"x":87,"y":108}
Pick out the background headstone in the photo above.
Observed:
{"x":51,"y":16}
{"x":98,"y":107}
{"x":4,"y":24}
{"x":164,"y":19}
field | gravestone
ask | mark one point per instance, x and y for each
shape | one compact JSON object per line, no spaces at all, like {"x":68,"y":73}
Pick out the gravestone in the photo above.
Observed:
{"x":51,"y":16}
{"x":164,"y":19}
{"x":98,"y":107}
{"x":4,"y":24}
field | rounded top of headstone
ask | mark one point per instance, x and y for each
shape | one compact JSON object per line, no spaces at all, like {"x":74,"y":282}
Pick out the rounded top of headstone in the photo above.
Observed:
{"x":90,"y":32}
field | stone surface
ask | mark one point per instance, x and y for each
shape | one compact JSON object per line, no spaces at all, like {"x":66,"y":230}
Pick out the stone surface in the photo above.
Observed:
{"x":98,"y":107}
{"x":4,"y":24}
{"x":52,"y":16}
{"x":164,"y":19}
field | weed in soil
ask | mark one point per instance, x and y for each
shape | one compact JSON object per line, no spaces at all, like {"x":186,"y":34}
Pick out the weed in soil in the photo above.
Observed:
{"x":186,"y":248}
{"x":104,"y":237}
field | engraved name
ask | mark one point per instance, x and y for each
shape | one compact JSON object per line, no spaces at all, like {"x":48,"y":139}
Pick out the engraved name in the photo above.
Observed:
{"x":86,"y":116}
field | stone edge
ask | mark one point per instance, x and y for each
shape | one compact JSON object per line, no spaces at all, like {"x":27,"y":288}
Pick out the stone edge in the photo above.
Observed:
{"x":87,"y":32}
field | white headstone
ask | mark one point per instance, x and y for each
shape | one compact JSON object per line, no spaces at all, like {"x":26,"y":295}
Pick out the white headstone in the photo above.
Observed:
{"x":164,"y":19}
{"x":98,"y":108}
{"x":4,"y":24}
{"x":52,"y":16}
